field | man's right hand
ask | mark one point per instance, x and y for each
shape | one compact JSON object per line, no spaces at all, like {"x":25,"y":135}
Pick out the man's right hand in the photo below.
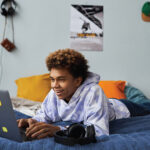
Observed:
{"x":25,"y":122}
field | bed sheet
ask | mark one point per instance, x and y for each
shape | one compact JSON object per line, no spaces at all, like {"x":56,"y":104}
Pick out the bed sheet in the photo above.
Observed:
{"x":25,"y":106}
{"x":125,"y":134}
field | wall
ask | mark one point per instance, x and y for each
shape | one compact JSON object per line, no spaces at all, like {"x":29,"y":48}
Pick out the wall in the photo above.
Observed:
{"x":43,"y":26}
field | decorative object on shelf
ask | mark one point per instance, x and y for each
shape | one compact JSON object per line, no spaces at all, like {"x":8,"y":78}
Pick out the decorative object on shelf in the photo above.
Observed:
{"x":146,"y":12}
{"x":8,"y":10}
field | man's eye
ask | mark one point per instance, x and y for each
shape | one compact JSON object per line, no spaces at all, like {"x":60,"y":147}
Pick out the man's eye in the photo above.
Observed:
{"x":52,"y":80}
{"x":62,"y":80}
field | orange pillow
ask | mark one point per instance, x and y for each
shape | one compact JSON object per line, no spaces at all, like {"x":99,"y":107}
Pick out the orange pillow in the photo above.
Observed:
{"x":34,"y":87}
{"x":113,"y":89}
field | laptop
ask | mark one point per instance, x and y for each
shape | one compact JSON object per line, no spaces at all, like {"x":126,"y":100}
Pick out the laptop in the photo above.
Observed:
{"x":8,"y":124}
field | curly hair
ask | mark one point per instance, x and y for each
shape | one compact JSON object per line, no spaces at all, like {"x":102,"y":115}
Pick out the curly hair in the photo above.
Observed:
{"x":69,"y":59}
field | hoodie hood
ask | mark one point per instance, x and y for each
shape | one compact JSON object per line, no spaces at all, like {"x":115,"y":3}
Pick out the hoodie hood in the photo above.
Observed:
{"x":91,"y":80}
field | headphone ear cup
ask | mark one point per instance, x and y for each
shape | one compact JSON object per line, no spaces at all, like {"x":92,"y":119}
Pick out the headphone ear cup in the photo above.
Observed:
{"x":11,"y":11}
{"x":76,"y":131}
{"x":91,"y":133}
{"x":4,"y":12}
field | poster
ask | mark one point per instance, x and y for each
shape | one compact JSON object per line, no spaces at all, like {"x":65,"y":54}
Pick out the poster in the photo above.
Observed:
{"x":86,"y":27}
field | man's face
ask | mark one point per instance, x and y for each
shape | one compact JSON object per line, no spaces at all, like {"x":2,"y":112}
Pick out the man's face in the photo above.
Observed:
{"x":63,"y":83}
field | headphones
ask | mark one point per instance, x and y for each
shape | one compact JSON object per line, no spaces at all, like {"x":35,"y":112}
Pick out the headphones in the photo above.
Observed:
{"x":75,"y":134}
{"x":8,"y":7}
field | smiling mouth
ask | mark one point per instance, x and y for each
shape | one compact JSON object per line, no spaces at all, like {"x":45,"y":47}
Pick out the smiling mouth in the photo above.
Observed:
{"x":58,"y":92}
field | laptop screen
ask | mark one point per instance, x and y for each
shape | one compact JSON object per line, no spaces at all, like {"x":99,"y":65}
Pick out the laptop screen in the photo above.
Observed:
{"x":8,"y":125}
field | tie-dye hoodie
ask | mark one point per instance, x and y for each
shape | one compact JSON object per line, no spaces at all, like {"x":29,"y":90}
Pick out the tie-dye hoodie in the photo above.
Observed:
{"x":88,"y":104}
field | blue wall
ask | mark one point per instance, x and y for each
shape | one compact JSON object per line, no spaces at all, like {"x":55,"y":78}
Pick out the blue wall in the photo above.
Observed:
{"x":42,"y":27}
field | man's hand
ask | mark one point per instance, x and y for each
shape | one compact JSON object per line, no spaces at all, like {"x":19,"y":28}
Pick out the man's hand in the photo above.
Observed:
{"x":25,"y":122}
{"x":41,"y":130}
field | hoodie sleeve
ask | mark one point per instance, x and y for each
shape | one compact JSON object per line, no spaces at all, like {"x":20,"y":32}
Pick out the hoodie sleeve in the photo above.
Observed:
{"x":97,"y":112}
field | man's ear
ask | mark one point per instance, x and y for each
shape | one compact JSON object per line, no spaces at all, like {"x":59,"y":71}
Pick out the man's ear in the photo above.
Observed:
{"x":78,"y":81}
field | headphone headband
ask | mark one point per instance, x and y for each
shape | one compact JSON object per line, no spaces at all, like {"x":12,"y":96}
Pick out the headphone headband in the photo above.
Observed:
{"x":75,"y":134}
{"x":10,"y":11}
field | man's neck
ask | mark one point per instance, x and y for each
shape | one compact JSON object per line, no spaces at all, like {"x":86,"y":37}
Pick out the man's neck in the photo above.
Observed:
{"x":66,"y":101}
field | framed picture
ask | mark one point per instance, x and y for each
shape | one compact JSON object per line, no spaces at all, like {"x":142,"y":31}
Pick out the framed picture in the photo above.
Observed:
{"x":86,"y":27}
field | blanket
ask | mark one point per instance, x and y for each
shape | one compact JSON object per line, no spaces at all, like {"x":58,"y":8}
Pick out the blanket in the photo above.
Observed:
{"x":125,"y":134}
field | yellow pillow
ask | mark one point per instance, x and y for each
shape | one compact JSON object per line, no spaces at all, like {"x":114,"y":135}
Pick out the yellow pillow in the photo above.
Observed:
{"x":34,"y":87}
{"x":113,"y":89}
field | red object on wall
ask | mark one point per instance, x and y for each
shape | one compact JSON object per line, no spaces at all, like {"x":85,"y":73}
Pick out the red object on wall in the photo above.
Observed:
{"x":9,"y":46}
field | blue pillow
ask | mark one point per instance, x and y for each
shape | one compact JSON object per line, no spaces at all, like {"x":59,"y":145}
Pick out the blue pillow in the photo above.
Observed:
{"x":135,"y":95}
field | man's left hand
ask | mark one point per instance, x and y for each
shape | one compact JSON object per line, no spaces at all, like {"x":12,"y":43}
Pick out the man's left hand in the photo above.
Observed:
{"x":41,"y":130}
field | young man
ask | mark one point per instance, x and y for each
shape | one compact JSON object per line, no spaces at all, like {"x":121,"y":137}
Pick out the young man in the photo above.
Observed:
{"x":75,"y":96}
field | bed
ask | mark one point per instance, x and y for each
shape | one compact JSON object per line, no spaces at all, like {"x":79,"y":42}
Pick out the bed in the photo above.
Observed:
{"x":125,"y":134}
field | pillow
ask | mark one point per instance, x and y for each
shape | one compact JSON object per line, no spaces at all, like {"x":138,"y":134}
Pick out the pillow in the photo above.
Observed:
{"x":135,"y":94}
{"x":34,"y":87}
{"x":113,"y":89}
